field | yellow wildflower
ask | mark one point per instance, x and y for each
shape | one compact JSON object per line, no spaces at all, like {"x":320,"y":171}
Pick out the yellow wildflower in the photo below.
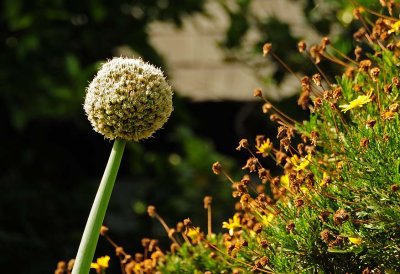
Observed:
{"x":267,"y":219}
{"x":325,"y":179}
{"x":265,"y":148}
{"x":284,"y":180}
{"x":101,"y":263}
{"x":300,"y":163}
{"x":193,"y":232}
{"x":358,"y":102}
{"x":355,"y":240}
{"x":395,"y":27}
{"x":232,"y":225}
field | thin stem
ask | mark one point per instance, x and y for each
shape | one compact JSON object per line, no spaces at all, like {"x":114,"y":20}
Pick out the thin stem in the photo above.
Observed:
{"x":209,"y":219}
{"x":91,"y":233}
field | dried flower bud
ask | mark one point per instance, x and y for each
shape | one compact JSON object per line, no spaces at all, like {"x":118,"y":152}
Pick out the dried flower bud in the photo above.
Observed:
{"x":61,"y":265}
{"x":128,"y":99}
{"x":153,"y":244}
{"x":317,"y":79}
{"x":257,"y":92}
{"x":359,"y":34}
{"x":70,"y":265}
{"x":340,"y":216}
{"x":325,"y":235}
{"x":370,"y":123}
{"x":357,"y":53}
{"x":187,"y":222}
{"x":264,"y":243}
{"x":217,"y":168}
{"x":267,"y":48}
{"x":119,"y":251}
{"x":266,"y":107}
{"x":145,"y":242}
{"x":396,"y":81}
{"x":394,"y":107}
{"x":151,"y":210}
{"x":257,"y":228}
{"x":207,"y":201}
{"x":289,"y":227}
{"x":323,"y":216}
{"x":301,"y":46}
{"x":139,"y":257}
{"x":374,"y":72}
{"x":364,"y":142}
{"x":103,"y":230}
{"x":243,"y":144}
{"x":394,"y":188}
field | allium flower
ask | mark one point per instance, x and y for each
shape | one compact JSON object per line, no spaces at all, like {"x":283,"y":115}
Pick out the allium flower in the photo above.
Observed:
{"x":358,"y":102}
{"x":128,"y":99}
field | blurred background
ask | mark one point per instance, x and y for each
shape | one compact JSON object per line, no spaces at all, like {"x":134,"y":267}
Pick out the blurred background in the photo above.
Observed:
{"x":51,"y":159}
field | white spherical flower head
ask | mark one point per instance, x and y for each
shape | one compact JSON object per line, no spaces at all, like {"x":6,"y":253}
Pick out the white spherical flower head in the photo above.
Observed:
{"x":128,"y":99}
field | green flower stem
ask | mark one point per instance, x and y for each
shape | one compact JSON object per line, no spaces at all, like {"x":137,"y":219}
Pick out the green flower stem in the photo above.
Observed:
{"x":90,"y":236}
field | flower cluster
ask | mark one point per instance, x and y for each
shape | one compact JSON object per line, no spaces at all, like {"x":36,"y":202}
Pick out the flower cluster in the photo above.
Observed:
{"x":128,"y":99}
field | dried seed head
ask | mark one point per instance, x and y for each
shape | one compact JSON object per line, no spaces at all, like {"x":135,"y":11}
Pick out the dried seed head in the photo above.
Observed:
{"x":323,"y":216}
{"x":151,"y":210}
{"x":325,"y":235}
{"x":364,"y":142}
{"x":301,"y":46}
{"x":128,"y":99}
{"x":359,"y":34}
{"x":257,"y":92}
{"x":365,"y":65}
{"x":264,"y":243}
{"x":207,"y":201}
{"x":370,"y":123}
{"x":396,"y":81}
{"x":340,"y":216}
{"x":357,"y":53}
{"x":217,"y":168}
{"x":119,"y":251}
{"x":317,"y":79}
{"x":289,"y":227}
{"x":103,"y":230}
{"x":187,"y":222}
{"x":257,"y":228}
{"x":266,"y":107}
{"x":243,"y":144}
{"x":267,"y":49}
{"x":374,"y":72}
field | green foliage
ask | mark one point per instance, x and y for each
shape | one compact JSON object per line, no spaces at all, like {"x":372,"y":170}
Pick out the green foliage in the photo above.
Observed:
{"x":336,"y":207}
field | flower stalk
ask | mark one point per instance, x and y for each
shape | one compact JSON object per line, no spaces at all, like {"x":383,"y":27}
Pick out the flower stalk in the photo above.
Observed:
{"x":90,"y":236}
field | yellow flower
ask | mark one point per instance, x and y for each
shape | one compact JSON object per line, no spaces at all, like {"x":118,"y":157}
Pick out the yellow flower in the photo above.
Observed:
{"x":193,"y":232}
{"x":284,"y":180}
{"x":265,"y":148}
{"x":232,"y":225}
{"x":101,"y":263}
{"x":395,"y":27}
{"x":355,"y":240}
{"x":358,"y":102}
{"x":300,"y":163}
{"x":267,"y":219}
{"x":325,"y":179}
